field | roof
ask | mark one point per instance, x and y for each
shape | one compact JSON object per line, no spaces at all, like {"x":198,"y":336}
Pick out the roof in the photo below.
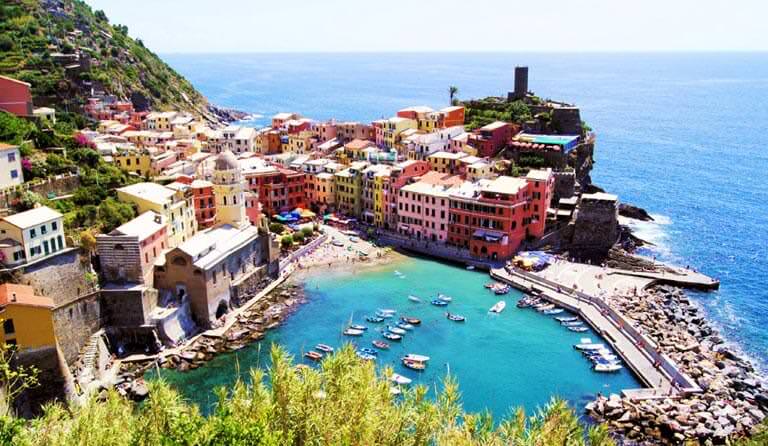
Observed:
{"x":539,"y":174}
{"x":32,"y":217}
{"x":448,"y":155}
{"x":11,"y":293}
{"x":425,"y":188}
{"x":4,"y":146}
{"x":226,"y":161}
{"x":418,"y":109}
{"x":494,"y":125}
{"x":557,"y":140}
{"x":153,"y":192}
{"x":142,"y":226}
{"x":15,"y":81}
{"x":600,"y":196}
{"x":504,"y":185}
{"x":452,"y":108}
{"x":358,"y":144}
{"x":284,"y":116}
{"x":207,"y":248}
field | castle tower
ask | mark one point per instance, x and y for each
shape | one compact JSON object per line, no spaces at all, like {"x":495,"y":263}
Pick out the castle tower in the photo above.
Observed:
{"x":229,"y":190}
{"x":521,"y":84}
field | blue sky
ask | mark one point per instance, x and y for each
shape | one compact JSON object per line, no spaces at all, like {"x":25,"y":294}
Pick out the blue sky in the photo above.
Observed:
{"x":168,"y":26}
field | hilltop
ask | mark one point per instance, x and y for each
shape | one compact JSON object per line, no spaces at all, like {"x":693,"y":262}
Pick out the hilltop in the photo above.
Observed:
{"x":67,"y":52}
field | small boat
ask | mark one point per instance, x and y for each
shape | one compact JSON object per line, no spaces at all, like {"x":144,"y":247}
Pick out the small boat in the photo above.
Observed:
{"x":358,"y":327}
{"x":374,"y":319}
{"x":455,"y":317}
{"x":572,"y":324}
{"x":417,"y":358}
{"x":608,"y":368}
{"x":589,"y":346}
{"x":394,"y":390}
{"x":498,"y":307}
{"x":337,"y":243}
{"x":315,"y":356}
{"x":380,"y":344}
{"x":414,"y":365}
{"x":398,"y":273}
{"x":578,"y":329}
{"x":444,"y":298}
{"x":404,"y":326}
{"x":384,"y":315}
{"x":554,"y":311}
{"x":369,"y":351}
{"x":395,"y":330}
{"x":400,"y":379}
{"x":353,"y":332}
{"x":490,"y":285}
{"x":392,"y":336}
{"x":324,"y":348}
{"x":411,"y":320}
{"x":567,"y":319}
{"x":365,"y":356}
{"x":354,"y":239}
{"x":545,"y":307}
{"x":470,"y":267}
{"x":387,"y":311}
{"x":413,"y":298}
{"x":439,"y":303}
{"x":501,"y":289}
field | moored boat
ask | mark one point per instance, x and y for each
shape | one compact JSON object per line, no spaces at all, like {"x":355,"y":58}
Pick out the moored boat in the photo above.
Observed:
{"x":501,"y":289}
{"x":608,"y":368}
{"x":353,"y":332}
{"x":392,"y":336}
{"x":439,"y":303}
{"x":374,"y":319}
{"x":567,"y":319}
{"x":470,"y":267}
{"x":400,"y":379}
{"x":542,"y":308}
{"x":414,"y":365}
{"x":385,"y":314}
{"x":498,"y":307}
{"x":578,"y":329}
{"x":444,"y":297}
{"x":404,"y":326}
{"x":589,"y":346}
{"x":395,"y":330}
{"x":411,"y":320}
{"x":572,"y":324}
{"x":455,"y":317}
{"x":380,"y":344}
{"x":369,"y":351}
{"x":365,"y":356}
{"x":325,"y":348}
{"x":358,"y":327}
{"x":554,"y":311}
{"x":417,"y":358}
{"x":313,"y":355}
{"x":413,"y":298}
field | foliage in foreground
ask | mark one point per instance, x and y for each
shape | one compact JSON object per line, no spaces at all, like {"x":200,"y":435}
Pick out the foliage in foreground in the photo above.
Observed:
{"x":343,"y":402}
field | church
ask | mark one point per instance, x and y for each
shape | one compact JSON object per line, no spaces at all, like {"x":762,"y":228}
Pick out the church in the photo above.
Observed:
{"x":219,"y":268}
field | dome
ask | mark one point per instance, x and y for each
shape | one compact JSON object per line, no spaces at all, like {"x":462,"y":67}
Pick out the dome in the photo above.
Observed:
{"x":226,"y":161}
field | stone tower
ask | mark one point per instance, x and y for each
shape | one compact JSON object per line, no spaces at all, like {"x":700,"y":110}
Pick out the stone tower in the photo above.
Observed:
{"x":229,"y":190}
{"x":521,"y":84}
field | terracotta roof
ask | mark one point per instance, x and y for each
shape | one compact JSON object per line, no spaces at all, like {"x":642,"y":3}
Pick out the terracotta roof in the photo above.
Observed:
{"x":11,"y":293}
{"x":16,"y":81}
{"x":4,"y":146}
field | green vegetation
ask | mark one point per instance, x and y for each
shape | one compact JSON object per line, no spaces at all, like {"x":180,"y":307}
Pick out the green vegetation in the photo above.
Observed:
{"x":276,"y":228}
{"x":452,"y":92}
{"x":307,"y":231}
{"x":298,"y":237}
{"x":485,"y":111}
{"x":36,"y":37}
{"x":343,"y":402}
{"x":286,"y":241}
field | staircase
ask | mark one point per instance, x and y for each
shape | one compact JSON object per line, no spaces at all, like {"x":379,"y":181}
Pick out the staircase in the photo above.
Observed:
{"x":87,"y":372}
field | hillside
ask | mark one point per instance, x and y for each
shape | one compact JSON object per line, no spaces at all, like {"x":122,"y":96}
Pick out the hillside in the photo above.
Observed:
{"x":66,"y":50}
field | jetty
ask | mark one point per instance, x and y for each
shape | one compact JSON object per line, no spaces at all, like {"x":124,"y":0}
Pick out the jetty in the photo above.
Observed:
{"x":659,"y":373}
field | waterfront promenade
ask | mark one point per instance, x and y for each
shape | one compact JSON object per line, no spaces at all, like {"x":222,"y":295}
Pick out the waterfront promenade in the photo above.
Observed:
{"x":658,"y":372}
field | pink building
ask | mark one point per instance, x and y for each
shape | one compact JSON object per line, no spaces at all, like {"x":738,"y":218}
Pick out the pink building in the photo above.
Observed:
{"x":127,"y":254}
{"x":325,"y":131}
{"x":253,"y":208}
{"x":15,"y":96}
{"x":401,"y":174}
{"x":423,"y":207}
{"x":378,"y":132}
{"x":488,"y":140}
{"x":541,"y":184}
{"x":347,"y":131}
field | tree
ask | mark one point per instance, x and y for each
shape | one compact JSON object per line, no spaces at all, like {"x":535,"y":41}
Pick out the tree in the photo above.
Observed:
{"x":298,"y":237}
{"x":307,"y":231}
{"x":26,"y":200}
{"x":6,"y":43}
{"x":452,"y":92}
{"x":286,"y":241}
{"x":14,"y":379}
{"x":113,"y":213}
{"x":88,"y":241}
{"x":276,"y":228}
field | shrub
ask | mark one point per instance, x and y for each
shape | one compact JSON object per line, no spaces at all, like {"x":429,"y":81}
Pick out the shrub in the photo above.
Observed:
{"x":298,"y":236}
{"x":307,"y":231}
{"x":286,"y":241}
{"x":276,"y":228}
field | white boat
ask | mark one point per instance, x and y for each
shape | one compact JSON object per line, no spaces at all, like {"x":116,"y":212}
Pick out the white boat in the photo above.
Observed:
{"x":387,"y":311}
{"x":499,"y":307}
{"x":400,"y":379}
{"x":567,"y":319}
{"x":444,"y":298}
{"x":579,"y":329}
{"x":589,"y":347}
{"x":470,"y":267}
{"x":353,"y":332}
{"x":607,"y":368}
{"x":395,"y":330}
{"x":413,"y":298}
{"x":572,"y":324}
{"x":543,"y":308}
{"x":553,"y":311}
{"x":417,"y":358}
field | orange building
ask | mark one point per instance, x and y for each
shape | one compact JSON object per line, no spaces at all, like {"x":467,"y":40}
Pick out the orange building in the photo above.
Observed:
{"x":15,"y":96}
{"x":27,"y":319}
{"x":453,"y":116}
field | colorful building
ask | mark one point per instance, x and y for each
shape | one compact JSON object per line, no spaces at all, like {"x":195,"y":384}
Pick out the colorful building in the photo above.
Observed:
{"x":27,"y":318}
{"x":128,"y":253}
{"x":268,"y":142}
{"x":421,"y":145}
{"x":279,"y":189}
{"x":202,"y":200}
{"x":281,"y":118}
{"x":11,"y":173}
{"x":423,"y":209}
{"x":15,"y":96}
{"x":160,"y":121}
{"x":392,"y":129}
{"x":542,"y":186}
{"x":490,"y":139}
{"x":349,"y":184}
{"x":174,"y":204}
{"x":229,"y":191}
{"x":402,"y":173}
{"x":453,"y":116}
{"x":446,"y":162}
{"x":31,"y":235}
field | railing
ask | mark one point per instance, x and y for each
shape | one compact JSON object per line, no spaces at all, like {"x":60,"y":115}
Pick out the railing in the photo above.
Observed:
{"x":302,"y":251}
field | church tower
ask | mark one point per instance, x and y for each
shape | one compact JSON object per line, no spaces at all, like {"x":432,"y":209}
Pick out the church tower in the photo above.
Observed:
{"x":229,"y":190}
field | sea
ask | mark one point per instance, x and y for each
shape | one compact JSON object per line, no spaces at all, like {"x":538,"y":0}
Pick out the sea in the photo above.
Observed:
{"x":682,"y":135}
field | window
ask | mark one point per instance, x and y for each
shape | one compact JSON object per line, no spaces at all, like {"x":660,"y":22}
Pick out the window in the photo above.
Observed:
{"x":32,"y":233}
{"x":12,"y":157}
{"x":43,"y":229}
{"x":8,"y":327}
{"x":14,"y":173}
{"x":54,"y":226}
{"x":61,"y":242}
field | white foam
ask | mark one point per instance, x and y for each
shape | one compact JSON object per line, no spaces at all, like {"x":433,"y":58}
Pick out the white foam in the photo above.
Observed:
{"x":654,"y":232}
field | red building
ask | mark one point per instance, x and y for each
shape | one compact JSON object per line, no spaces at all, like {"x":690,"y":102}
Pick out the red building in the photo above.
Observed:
{"x":488,"y":140}
{"x":278,"y":189}
{"x":15,"y":96}
{"x":203,"y":201}
{"x":453,"y":116}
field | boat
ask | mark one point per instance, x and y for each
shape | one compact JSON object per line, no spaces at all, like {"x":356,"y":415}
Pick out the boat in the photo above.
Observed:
{"x":387,"y":311}
{"x":545,"y":307}
{"x":523,"y":303}
{"x":444,"y":298}
{"x":400,"y":379}
{"x":608,"y":368}
{"x":324,"y":348}
{"x":353,"y":332}
{"x":417,"y":358}
{"x":398,"y":273}
{"x":380,"y":344}
{"x":554,"y":311}
{"x":455,"y":317}
{"x":470,"y":267}
{"x":354,"y":239}
{"x":413,"y":298}
{"x":414,"y":365}
{"x":567,"y":319}
{"x":589,"y":346}
{"x":578,"y":329}
{"x":369,"y":351}
{"x":374,"y":319}
{"x":572,"y":324}
{"x":313,"y":355}
{"x":384,"y":314}
{"x":501,"y":289}
{"x":490,"y":285}
{"x":365,"y":356}
{"x":411,"y":320}
{"x":337,"y":243}
{"x":392,"y":336}
{"x":395,"y":330}
{"x":439,"y":303}
{"x":498,"y":307}
{"x":404,"y":326}
{"x":358,"y":327}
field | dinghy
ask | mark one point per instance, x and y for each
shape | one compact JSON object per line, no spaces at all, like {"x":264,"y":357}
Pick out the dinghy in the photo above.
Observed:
{"x":608,"y":368}
{"x":413,"y":298}
{"x":455,"y":317}
{"x":400,"y":379}
{"x":439,"y":303}
{"x":358,"y":327}
{"x":414,"y":365}
{"x":324,"y":348}
{"x":380,"y":344}
{"x":353,"y":332}
{"x":499,"y":307}
{"x":395,"y":330}
{"x":392,"y":336}
{"x":411,"y":320}
{"x":315,"y":356}
{"x":417,"y":358}
{"x":374,"y":319}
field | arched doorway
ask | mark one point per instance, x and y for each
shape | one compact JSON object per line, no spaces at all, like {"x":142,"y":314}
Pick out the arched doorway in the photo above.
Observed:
{"x":222,"y":309}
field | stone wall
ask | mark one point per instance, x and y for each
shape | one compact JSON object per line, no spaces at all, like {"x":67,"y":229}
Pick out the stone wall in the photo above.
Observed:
{"x":566,"y":120}
{"x":123,"y":264}
{"x":63,"y":277}
{"x":247,"y":286}
{"x":53,"y":380}
{"x":130,"y":307}
{"x":59,"y":185}
{"x":595,"y":228}
{"x":565,"y":186}
{"x":74,"y":323}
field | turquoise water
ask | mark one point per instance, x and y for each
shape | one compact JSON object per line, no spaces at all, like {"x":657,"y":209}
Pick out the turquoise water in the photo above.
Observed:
{"x":516,"y":358}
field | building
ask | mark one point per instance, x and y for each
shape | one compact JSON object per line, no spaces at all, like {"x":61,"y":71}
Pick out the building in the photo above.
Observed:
{"x":27,"y":318}
{"x":15,"y":96}
{"x":454,"y":116}
{"x":542,"y":187}
{"x":11,"y":173}
{"x":325,"y":131}
{"x":128,"y":253}
{"x":31,"y":235}
{"x":349,"y":184}
{"x":446,"y":162}
{"x":278,"y":189}
{"x":392,"y":129}
{"x":422,"y":145}
{"x":236,"y":139}
{"x":355,"y":150}
{"x":229,"y":191}
{"x":174,"y":204}
{"x":372,"y":193}
{"x":401,"y":174}
{"x":422,"y":207}
{"x":281,"y":118}
{"x":268,"y":142}
{"x":490,"y":139}
{"x":46,"y":114}
{"x":521,"y":84}
{"x":160,"y":121}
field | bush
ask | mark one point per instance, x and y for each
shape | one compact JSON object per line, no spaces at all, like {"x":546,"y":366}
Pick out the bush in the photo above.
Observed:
{"x":298,"y":236}
{"x":307,"y":231}
{"x":276,"y":228}
{"x":6,"y":43}
{"x":286,"y":241}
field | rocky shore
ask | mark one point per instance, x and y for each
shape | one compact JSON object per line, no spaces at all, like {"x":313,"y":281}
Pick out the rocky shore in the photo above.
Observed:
{"x":251,"y":326}
{"x":734,"y":398}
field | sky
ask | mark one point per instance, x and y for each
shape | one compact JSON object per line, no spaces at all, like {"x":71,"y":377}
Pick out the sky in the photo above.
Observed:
{"x":233,"y":26}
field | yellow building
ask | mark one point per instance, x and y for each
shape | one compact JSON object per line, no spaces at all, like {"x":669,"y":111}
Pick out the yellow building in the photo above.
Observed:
{"x":301,"y":143}
{"x":380,"y":189}
{"x":393,"y":127}
{"x":349,"y":188}
{"x":27,"y":318}
{"x":445,"y":162}
{"x":138,"y":161}
{"x":174,"y":204}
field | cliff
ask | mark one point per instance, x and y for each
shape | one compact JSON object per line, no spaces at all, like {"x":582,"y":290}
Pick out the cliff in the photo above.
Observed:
{"x":67,"y":52}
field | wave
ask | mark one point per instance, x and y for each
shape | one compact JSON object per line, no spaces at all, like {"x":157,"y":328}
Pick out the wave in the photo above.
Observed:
{"x":654,"y":232}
